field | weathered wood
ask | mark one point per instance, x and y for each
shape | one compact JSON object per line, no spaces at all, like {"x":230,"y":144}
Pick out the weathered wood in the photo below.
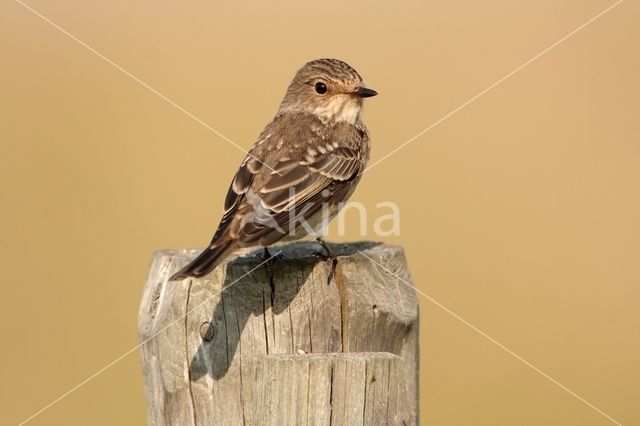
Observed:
{"x":282,"y":345}
{"x":322,"y":389}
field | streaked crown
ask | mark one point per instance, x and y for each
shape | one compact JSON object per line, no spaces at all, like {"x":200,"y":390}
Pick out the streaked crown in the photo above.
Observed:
{"x":333,"y":69}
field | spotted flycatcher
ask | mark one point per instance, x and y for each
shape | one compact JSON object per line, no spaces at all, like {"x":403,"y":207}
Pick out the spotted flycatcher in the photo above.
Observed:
{"x":303,"y":167}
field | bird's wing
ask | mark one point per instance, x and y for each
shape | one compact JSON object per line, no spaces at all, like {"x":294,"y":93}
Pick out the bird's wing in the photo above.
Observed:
{"x":221,"y":245}
{"x":293,"y":182}
{"x":235,"y":196}
{"x":296,"y":191}
{"x":299,"y":167}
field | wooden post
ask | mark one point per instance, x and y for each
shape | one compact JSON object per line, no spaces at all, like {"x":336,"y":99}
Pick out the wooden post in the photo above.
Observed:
{"x":282,"y":345}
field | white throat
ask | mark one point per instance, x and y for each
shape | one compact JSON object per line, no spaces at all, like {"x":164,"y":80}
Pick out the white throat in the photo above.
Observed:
{"x":340,"y":109}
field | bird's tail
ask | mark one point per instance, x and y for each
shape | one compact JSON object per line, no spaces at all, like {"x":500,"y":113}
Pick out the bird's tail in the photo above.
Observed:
{"x":205,"y":262}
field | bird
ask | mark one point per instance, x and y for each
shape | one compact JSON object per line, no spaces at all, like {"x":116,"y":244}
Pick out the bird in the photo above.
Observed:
{"x":301,"y":170}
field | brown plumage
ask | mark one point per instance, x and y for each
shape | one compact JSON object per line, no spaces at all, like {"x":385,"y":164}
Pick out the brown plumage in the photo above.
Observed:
{"x":304,"y":165}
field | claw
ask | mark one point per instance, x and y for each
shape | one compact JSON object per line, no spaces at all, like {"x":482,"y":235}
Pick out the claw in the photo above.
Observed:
{"x":330,"y":258}
{"x":269,"y":260}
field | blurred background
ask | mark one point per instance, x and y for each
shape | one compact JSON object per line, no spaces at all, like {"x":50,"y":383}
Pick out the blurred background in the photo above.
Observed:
{"x":520,"y":212}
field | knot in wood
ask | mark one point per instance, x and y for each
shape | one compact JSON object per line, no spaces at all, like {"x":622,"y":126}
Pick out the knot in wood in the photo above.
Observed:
{"x":206,"y":331}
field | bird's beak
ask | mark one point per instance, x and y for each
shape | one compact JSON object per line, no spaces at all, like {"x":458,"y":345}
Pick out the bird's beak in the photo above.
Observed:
{"x":363,"y":92}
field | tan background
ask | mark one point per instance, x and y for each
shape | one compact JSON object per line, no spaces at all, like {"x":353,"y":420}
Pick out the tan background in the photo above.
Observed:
{"x":520,"y":212}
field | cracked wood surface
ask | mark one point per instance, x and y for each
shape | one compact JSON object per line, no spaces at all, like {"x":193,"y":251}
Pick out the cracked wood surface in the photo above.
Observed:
{"x":283,"y":347}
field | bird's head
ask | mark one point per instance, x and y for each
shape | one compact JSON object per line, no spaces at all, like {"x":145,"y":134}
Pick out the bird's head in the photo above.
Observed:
{"x":328,"y":88}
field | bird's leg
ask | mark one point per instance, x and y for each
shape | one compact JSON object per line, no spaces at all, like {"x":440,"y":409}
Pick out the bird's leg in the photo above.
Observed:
{"x":266,"y":256}
{"x":329,"y":257}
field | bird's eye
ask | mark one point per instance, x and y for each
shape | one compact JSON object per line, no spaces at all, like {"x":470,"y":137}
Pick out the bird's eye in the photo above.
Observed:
{"x":321,"y":88}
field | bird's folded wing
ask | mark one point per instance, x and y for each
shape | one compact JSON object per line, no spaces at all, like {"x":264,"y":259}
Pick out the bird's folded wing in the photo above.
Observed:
{"x":232,"y":202}
{"x":292,"y":183}
{"x":294,"y":191}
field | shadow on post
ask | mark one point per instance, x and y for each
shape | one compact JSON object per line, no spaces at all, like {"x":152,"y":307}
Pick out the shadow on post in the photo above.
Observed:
{"x":259,"y":293}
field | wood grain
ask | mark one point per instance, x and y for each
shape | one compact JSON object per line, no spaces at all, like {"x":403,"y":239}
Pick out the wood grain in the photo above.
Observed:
{"x":282,"y":345}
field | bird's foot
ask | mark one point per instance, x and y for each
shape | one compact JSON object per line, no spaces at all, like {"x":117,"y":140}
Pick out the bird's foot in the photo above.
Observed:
{"x":269,"y":260}
{"x":329,"y":258}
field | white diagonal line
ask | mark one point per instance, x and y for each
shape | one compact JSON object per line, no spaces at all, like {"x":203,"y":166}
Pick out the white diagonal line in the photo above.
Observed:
{"x":133,"y":349}
{"x":445,"y":117}
{"x":500,"y":345}
{"x":136,"y":79}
